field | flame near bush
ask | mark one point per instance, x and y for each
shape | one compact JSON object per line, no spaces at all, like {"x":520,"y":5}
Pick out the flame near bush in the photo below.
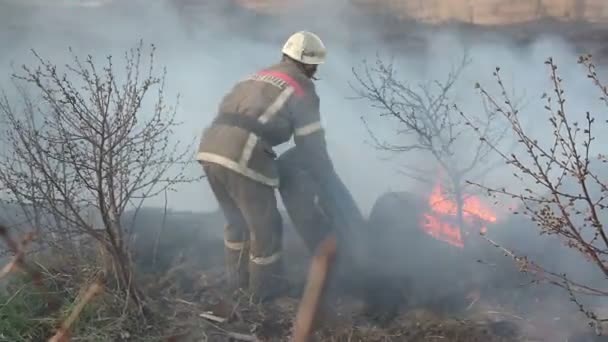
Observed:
{"x":474,"y":213}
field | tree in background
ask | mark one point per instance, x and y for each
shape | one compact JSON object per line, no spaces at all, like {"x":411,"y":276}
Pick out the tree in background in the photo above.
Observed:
{"x":426,"y":120}
{"x":83,"y":145}
{"x":565,"y":183}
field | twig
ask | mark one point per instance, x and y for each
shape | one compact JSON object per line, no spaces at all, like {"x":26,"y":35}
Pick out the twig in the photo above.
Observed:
{"x":179,"y":300}
{"x":531,"y":267}
{"x":212,"y":317}
{"x":13,"y":296}
{"x":63,"y":331}
{"x":10,"y":267}
{"x":160,"y":230}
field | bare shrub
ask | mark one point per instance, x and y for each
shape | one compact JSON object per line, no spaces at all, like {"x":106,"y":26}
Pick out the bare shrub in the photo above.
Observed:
{"x":427,"y":121}
{"x":565,"y":190}
{"x":84,"y":144}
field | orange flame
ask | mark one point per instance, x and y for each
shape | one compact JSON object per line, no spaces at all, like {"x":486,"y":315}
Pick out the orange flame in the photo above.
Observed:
{"x":435,"y":225}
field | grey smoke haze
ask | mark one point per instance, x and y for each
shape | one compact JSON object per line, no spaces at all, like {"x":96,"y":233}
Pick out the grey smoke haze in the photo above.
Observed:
{"x":205,"y":54}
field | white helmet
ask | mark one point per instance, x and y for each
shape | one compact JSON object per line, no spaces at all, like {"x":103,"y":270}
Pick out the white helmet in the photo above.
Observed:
{"x":305,"y":47}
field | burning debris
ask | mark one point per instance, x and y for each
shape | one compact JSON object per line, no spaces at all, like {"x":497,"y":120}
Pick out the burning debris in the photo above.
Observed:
{"x":438,"y":222}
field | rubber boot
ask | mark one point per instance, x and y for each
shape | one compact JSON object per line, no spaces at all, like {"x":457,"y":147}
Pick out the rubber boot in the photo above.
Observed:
{"x":237,"y":273}
{"x":267,"y":281}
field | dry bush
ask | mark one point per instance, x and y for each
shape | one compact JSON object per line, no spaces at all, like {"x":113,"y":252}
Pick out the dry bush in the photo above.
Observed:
{"x":564,"y":184}
{"x":83,"y":145}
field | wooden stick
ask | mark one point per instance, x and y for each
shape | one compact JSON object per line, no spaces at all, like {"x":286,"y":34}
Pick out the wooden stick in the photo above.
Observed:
{"x":62,"y":334}
{"x":316,"y":285}
{"x":212,"y":317}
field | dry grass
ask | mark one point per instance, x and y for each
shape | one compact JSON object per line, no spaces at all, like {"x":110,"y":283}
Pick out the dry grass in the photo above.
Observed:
{"x":191,"y":304}
{"x":48,"y":296}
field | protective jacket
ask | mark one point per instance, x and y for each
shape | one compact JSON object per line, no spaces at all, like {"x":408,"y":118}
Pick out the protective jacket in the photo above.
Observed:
{"x":262,"y":111}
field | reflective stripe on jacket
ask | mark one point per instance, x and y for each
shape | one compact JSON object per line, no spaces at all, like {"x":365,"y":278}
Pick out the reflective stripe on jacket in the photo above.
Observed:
{"x":274,"y":104}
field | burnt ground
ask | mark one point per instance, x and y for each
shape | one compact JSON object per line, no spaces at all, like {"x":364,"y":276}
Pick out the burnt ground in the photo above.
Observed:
{"x":186,"y":283}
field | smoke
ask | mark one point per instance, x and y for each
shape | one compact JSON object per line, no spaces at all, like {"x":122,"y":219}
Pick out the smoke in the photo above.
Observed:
{"x":206,"y":53}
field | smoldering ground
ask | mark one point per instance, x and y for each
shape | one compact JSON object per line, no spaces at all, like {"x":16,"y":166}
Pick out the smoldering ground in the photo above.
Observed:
{"x":207,"y":48}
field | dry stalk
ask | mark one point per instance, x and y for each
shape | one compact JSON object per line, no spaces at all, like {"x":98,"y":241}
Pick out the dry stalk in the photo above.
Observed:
{"x":18,"y":262}
{"x":542,"y":274}
{"x":316,"y":284}
{"x":63,"y":332}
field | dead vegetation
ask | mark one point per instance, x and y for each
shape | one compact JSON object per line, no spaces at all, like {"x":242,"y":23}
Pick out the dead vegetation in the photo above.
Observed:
{"x":81,"y":145}
{"x":187,"y":295}
{"x":564,"y":184}
{"x":78,"y":151}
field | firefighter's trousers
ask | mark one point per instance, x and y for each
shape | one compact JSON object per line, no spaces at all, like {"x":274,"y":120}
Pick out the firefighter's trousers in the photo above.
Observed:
{"x":253,"y":234}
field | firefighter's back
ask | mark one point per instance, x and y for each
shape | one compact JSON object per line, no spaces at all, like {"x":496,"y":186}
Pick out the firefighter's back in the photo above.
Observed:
{"x":262,"y":97}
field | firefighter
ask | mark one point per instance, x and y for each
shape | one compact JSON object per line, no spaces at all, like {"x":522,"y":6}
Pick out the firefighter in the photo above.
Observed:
{"x":236,"y":151}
